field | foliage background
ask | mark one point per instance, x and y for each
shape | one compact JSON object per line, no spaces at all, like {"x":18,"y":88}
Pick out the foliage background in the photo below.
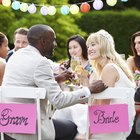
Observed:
{"x":121,"y":21}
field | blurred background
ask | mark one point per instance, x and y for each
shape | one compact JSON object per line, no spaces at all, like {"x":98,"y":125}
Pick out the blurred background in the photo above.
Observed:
{"x":121,"y":18}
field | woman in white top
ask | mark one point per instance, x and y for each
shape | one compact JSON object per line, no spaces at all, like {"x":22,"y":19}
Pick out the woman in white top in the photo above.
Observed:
{"x":3,"y":54}
{"x":114,"y":72}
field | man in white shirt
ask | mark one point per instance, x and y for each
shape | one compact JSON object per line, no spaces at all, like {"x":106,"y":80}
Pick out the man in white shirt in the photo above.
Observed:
{"x":20,"y":40}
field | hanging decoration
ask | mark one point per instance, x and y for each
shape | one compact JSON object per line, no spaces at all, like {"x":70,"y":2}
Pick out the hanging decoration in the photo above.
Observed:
{"x":111,"y":2}
{"x":44,"y":10}
{"x":16,"y":5}
{"x":74,"y":9}
{"x":83,"y":7}
{"x":97,"y":4}
{"x":32,"y":9}
{"x":6,"y":3}
{"x":124,"y":0}
{"x":24,"y":7}
{"x":51,"y":10}
{"x":65,"y":10}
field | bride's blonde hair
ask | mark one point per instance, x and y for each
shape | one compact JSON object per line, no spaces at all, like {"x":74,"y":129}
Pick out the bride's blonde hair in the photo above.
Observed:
{"x":107,"y":52}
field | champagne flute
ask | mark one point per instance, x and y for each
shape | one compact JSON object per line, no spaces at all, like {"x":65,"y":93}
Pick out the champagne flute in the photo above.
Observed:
{"x":75,"y":61}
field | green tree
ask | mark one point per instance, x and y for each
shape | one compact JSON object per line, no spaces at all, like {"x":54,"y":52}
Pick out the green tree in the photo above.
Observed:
{"x":64,"y":26}
{"x":7,"y":18}
{"x":120,"y":24}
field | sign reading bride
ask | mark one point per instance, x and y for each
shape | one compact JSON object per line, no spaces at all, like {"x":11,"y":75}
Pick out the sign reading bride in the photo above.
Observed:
{"x":108,"y":118}
{"x":18,"y":118}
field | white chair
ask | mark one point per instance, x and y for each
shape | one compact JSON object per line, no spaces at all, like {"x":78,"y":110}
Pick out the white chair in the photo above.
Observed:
{"x":25,"y":92}
{"x":112,"y":93}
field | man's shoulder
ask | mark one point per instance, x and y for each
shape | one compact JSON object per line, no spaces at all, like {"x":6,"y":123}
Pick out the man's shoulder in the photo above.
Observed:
{"x":11,"y":52}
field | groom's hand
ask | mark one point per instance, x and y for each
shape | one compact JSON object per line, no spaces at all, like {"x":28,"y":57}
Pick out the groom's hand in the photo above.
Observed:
{"x":97,"y":86}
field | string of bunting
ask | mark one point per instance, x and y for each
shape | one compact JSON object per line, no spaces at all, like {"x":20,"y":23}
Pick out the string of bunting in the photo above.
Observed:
{"x":51,"y":10}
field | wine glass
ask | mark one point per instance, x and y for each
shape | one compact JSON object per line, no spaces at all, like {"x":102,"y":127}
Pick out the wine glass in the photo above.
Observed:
{"x":75,"y":63}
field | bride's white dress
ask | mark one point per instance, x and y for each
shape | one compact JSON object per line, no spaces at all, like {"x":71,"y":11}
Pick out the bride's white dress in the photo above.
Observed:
{"x":78,"y":113}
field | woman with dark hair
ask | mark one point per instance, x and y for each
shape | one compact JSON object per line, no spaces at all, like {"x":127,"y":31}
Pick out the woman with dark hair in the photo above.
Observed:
{"x":134,"y":65}
{"x":76,"y":47}
{"x":134,"y":61}
{"x":3,"y":54}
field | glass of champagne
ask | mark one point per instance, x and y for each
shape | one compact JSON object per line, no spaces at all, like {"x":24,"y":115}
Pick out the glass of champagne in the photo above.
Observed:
{"x":75,"y":61}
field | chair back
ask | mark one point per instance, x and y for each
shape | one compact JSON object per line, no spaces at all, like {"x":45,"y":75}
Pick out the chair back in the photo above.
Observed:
{"x":27,"y":93}
{"x":120,"y":93}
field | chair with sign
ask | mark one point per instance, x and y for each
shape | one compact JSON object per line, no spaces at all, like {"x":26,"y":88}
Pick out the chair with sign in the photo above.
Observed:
{"x":27,"y":93}
{"x":123,"y":102}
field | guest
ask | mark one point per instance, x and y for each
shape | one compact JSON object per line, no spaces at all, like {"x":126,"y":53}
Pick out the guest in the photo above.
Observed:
{"x":30,"y":68}
{"x":134,"y":61}
{"x":76,"y":47}
{"x":3,"y":54}
{"x":20,"y":40}
{"x":134,"y":65}
{"x":114,"y":72}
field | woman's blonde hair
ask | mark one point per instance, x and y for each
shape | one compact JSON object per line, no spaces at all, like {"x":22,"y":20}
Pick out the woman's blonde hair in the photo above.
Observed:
{"x":107,"y":51}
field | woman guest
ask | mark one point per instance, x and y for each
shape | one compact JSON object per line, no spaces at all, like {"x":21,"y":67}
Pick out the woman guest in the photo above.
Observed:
{"x":114,"y":72}
{"x":134,"y":65}
{"x":76,"y":47}
{"x":3,"y":54}
{"x":134,"y":61}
